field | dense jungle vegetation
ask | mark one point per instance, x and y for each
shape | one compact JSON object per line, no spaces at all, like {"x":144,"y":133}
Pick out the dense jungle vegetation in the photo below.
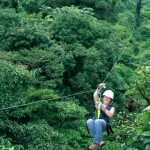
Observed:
{"x":53,"y":53}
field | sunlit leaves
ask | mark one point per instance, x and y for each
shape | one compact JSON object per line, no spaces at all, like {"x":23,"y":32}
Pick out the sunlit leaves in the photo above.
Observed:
{"x":5,"y":144}
{"x":75,"y":27}
{"x":141,"y":133}
{"x":14,"y":80}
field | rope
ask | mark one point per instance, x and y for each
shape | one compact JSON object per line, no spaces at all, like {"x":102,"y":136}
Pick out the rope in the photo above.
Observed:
{"x":45,"y":100}
{"x":114,"y":65}
{"x":40,"y":101}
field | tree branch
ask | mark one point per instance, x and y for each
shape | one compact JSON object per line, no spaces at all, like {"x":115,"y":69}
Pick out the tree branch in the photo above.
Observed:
{"x":142,"y":94}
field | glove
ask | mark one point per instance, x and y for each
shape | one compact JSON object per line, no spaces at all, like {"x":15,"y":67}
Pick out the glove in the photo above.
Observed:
{"x":100,"y":106}
{"x":101,"y":85}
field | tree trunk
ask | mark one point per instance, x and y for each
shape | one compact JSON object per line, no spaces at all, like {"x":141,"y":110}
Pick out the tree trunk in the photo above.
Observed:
{"x":138,"y":13}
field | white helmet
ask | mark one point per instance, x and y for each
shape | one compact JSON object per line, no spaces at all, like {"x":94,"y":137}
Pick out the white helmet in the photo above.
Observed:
{"x":109,"y":94}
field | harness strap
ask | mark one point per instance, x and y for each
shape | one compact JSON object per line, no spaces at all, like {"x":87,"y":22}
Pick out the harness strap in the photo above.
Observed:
{"x":109,"y":129}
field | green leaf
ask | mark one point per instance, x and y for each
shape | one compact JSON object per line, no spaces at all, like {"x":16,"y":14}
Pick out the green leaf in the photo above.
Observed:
{"x":145,"y":118}
{"x":130,"y":141}
{"x":146,"y":140}
{"x":146,"y":133}
{"x":147,"y":147}
{"x":131,"y":91}
{"x":139,"y":131}
{"x":147,"y":108}
{"x":135,"y":138}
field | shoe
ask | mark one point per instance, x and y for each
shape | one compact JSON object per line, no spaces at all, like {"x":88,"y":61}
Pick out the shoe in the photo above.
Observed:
{"x":102,"y":143}
{"x":94,"y":146}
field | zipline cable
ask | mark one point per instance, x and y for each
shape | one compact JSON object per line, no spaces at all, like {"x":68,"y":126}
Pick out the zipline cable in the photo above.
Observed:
{"x":21,"y":105}
{"x":114,"y":65}
{"x":40,"y":101}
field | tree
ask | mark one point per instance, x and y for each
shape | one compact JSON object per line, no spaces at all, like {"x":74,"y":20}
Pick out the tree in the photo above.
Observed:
{"x":142,"y":81}
{"x":22,"y":31}
{"x":14,"y":81}
{"x":7,"y":145}
{"x":78,"y":36}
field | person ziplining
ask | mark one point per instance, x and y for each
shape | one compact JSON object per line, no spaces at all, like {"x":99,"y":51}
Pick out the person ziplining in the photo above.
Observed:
{"x":100,"y":122}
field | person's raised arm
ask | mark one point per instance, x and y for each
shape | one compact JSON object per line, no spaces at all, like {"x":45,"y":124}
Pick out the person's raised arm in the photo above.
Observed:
{"x":95,"y":97}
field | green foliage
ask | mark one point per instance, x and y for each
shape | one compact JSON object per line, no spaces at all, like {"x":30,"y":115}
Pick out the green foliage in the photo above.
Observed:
{"x":42,"y":137}
{"x":97,"y":60}
{"x":65,"y":27}
{"x":9,"y":4}
{"x":14,"y":81}
{"x":31,"y":6}
{"x":144,"y":52}
{"x":68,"y":111}
{"x":123,"y":33}
{"x":48,"y":62}
{"x":145,"y":10}
{"x":104,"y":9}
{"x":74,"y":138}
{"x":144,"y":32}
{"x":85,"y":42}
{"x":125,"y":123}
{"x":141,"y":136}
{"x":5,"y":144}
{"x":9,"y":22}
{"x":127,"y":75}
{"x":57,"y":49}
{"x":37,"y":101}
{"x":126,"y":19}
{"x":59,"y":3}
{"x":112,"y":146}
{"x":33,"y":136}
{"x":65,"y":117}
{"x":22,"y":31}
{"x":132,"y":130}
{"x":140,"y":87}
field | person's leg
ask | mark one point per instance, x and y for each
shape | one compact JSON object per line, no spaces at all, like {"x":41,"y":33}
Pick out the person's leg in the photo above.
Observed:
{"x":91,"y":126}
{"x":100,"y":126}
